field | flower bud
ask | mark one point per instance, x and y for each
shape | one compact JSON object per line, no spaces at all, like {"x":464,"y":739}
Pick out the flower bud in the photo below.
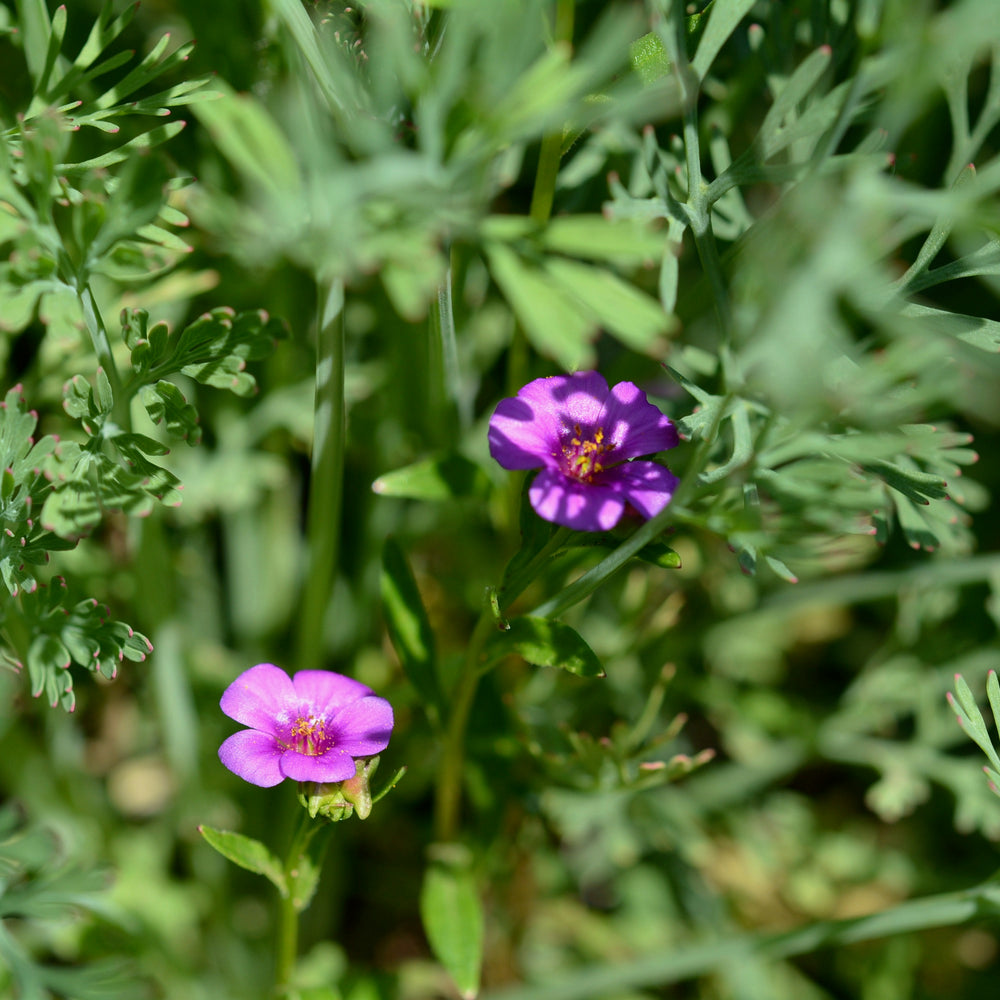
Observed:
{"x":338,"y":800}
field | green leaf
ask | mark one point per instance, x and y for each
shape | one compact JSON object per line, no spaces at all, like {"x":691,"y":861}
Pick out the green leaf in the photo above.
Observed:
{"x":452,"y":915}
{"x":47,"y":663}
{"x":975,"y":330}
{"x":166,"y":403}
{"x":660,"y":555}
{"x":971,"y":719}
{"x":408,"y":626}
{"x":919,"y":487}
{"x":723,"y":19}
{"x":245,"y":133}
{"x":993,"y":693}
{"x":635,"y":318}
{"x":247,"y":853}
{"x":36,"y":30}
{"x":556,"y":324}
{"x":546,"y":643}
{"x":303,"y":881}
{"x":656,"y":553}
{"x":214,"y":349}
{"x":771,"y":137}
{"x":444,"y":477}
{"x":147,"y":140}
{"x":625,"y":242}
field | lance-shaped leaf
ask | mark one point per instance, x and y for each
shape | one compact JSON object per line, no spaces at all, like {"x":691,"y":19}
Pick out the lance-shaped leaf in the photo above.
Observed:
{"x":452,"y":915}
{"x":443,"y":477}
{"x":247,"y":853}
{"x":409,"y":629}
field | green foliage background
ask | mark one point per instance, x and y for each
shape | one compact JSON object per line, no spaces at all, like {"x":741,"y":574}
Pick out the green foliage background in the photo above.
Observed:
{"x":764,"y":214}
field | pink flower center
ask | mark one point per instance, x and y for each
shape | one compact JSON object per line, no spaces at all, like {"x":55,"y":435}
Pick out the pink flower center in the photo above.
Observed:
{"x":582,"y":454}
{"x":308,"y":736}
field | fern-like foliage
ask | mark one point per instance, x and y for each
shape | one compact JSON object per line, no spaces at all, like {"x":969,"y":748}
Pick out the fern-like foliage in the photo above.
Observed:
{"x":70,"y":215}
{"x":38,"y":892}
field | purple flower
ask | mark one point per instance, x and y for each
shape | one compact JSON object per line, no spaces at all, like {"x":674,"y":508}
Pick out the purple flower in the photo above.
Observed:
{"x":583,"y":435}
{"x":309,"y":727}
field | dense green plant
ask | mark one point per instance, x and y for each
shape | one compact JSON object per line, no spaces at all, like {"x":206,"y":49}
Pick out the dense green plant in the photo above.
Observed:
{"x":636,"y":757}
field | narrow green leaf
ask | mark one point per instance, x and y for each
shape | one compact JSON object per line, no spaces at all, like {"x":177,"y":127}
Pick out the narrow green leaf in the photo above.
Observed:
{"x":408,"y":626}
{"x":670,"y":265}
{"x":993,"y":693}
{"x":247,"y":853}
{"x":723,"y":19}
{"x":445,"y":477}
{"x":546,"y":643}
{"x":797,"y":87}
{"x":452,"y":915}
{"x":304,"y":34}
{"x":147,"y":140}
{"x":36,"y":29}
{"x":972,"y":720}
{"x":104,"y":396}
{"x":975,"y":330}
{"x":106,"y":29}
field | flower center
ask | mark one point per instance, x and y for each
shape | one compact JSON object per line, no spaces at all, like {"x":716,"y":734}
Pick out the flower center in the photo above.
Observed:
{"x":582,"y":454}
{"x":308,"y":736}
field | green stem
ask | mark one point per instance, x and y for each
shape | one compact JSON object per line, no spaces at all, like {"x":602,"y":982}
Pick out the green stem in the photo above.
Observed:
{"x":698,"y":206}
{"x":120,"y":413}
{"x":448,"y":799}
{"x":516,"y":586}
{"x":326,"y":481}
{"x":288,"y":925}
{"x":447,"y":401}
{"x":550,"y":154}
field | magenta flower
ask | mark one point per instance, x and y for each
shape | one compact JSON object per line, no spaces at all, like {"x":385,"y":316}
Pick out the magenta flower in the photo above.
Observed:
{"x":309,"y":727}
{"x":583,"y":435}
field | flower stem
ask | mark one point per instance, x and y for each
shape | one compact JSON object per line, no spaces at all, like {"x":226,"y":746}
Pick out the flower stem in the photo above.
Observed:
{"x":288,"y":927}
{"x":698,"y":206}
{"x":551,"y":151}
{"x":120,"y":413}
{"x":447,"y":400}
{"x":517,"y":585}
{"x":449,"y":783}
{"x":326,"y":480}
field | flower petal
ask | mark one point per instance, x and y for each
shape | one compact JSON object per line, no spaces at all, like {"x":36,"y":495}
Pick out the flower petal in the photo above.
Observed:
{"x":647,"y":486}
{"x":582,"y":506}
{"x":253,"y":756}
{"x":334,"y":765}
{"x":325,"y":692}
{"x":633,"y":425}
{"x":363,"y":727}
{"x":258,"y":696}
{"x":526,"y":431}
